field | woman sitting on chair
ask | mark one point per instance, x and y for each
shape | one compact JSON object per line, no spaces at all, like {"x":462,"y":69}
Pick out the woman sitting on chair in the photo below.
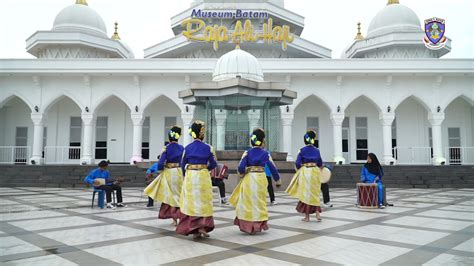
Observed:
{"x":372,"y":172}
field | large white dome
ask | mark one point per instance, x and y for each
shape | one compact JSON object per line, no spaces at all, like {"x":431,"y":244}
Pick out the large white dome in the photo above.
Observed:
{"x":392,"y":18}
{"x":82,"y":18}
{"x":237,"y":63}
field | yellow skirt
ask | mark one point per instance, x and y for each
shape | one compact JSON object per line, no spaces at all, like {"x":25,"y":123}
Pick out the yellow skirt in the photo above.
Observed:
{"x":166,"y":188}
{"x":196,"y":194}
{"x":306,"y":185}
{"x":250,"y":197}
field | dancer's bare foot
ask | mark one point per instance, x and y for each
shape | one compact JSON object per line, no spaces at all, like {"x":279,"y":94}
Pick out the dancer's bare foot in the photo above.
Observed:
{"x":318,"y":217}
{"x":174,"y":223}
{"x":203,"y":233}
{"x":306,"y":218}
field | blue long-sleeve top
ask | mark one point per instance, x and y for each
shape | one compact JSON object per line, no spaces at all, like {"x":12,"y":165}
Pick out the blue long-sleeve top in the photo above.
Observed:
{"x":368,"y":177}
{"x":199,"y":152}
{"x":258,"y":157}
{"x":309,"y":154}
{"x":98,"y":173}
{"x":171,"y":153}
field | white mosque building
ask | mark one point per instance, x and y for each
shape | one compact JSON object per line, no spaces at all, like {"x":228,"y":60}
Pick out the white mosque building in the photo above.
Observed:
{"x":85,"y":98}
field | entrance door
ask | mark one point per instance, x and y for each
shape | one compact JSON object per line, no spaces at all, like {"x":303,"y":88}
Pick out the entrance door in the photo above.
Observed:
{"x":345,"y":140}
{"x":237,"y":130}
{"x":454,"y":144}
{"x":101,"y":137}
{"x":362,"y":146}
{"x":21,"y":142}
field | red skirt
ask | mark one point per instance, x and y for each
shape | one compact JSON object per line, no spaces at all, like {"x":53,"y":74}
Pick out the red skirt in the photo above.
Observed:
{"x":251,"y":227}
{"x":167,"y":212}
{"x":191,"y":224}
{"x":307,"y":209}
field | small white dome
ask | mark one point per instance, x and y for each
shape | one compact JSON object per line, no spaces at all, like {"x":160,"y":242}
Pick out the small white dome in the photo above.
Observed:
{"x":237,"y":63}
{"x":80,"y":17}
{"x":394,"y":17}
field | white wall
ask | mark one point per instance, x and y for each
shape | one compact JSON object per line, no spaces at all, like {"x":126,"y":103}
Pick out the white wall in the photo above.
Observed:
{"x":120,"y":130}
{"x":58,"y":122}
{"x":313,"y":107}
{"x":362,"y":107}
{"x":459,"y":114}
{"x":157,"y":111}
{"x":15,"y":114}
{"x":412,"y":124}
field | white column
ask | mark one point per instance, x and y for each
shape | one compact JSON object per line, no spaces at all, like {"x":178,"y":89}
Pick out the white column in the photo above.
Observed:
{"x":137,"y":120}
{"x":37,"y":153}
{"x":187,"y":117}
{"x":436,"y":119}
{"x":88,"y":123}
{"x":336,"y":120}
{"x":254,"y":118}
{"x":287,"y":124}
{"x":221,"y":116}
{"x":386,"y":119}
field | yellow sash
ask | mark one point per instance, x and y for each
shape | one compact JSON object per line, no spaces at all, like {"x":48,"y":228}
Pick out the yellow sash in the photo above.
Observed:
{"x":250,"y":197}
{"x":166,"y":187}
{"x":196,"y":194}
{"x":306,"y":185}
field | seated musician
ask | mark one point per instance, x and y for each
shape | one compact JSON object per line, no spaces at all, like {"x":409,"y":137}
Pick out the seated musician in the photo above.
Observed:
{"x":100,"y":179}
{"x":372,"y":172}
{"x":217,"y":176}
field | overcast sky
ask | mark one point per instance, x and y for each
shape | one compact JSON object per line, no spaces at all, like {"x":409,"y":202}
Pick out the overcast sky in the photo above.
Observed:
{"x":143,"y":23}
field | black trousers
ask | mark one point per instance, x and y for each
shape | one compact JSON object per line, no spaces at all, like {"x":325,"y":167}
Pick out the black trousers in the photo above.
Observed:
{"x":150,"y":201}
{"x":325,"y":190}
{"x":108,"y":192}
{"x":271,"y":193}
{"x":216,"y":182}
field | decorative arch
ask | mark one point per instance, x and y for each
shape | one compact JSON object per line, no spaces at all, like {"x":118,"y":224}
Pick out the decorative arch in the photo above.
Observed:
{"x":454,"y":97}
{"x":416,"y":98}
{"x":99,"y":103}
{"x":47,"y":105}
{"x":155,"y":97}
{"x":308,"y":97}
{"x":20,"y":96}
{"x":362,"y":96}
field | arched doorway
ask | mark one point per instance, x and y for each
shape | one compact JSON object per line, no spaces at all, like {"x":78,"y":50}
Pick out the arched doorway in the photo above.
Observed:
{"x":16,"y":131}
{"x":413,"y":132}
{"x":113,"y":131}
{"x":313,"y":113}
{"x":458,"y":131}
{"x":160,"y":115}
{"x":62,"y":132}
{"x":364,"y":130}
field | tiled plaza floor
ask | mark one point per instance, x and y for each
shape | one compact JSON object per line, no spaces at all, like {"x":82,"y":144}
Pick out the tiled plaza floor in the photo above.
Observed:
{"x":52,"y":226}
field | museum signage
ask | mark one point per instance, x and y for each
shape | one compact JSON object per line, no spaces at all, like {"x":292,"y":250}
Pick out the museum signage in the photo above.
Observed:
{"x":196,"y":29}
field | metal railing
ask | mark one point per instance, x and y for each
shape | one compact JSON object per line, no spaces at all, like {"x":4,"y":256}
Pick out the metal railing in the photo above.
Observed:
{"x":14,"y":154}
{"x":460,"y":155}
{"x":62,"y":155}
{"x":413,"y":155}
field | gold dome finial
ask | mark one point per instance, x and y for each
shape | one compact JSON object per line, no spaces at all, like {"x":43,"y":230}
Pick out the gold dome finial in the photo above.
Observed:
{"x":81,"y":2}
{"x":237,"y":44}
{"x":116,"y":36}
{"x":359,"y":35}
{"x":391,"y":2}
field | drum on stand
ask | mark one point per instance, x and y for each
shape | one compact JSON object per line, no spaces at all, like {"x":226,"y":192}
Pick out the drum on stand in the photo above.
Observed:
{"x":367,"y":195}
{"x":325,"y":175}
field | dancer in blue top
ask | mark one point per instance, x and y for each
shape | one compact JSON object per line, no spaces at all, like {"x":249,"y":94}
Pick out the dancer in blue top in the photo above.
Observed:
{"x":196,"y":195}
{"x":372,"y":172}
{"x":166,"y":188}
